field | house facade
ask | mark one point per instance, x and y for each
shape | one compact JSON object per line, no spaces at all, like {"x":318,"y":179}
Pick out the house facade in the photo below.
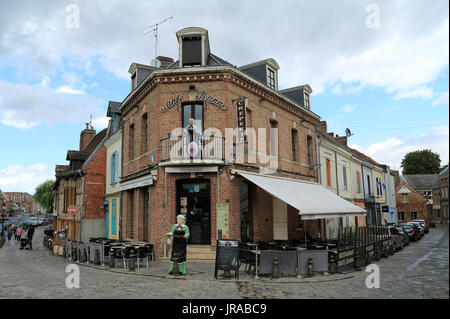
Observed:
{"x":443,"y":182}
{"x":410,"y":203}
{"x":113,"y":145}
{"x":210,"y":141}
{"x":82,"y":183}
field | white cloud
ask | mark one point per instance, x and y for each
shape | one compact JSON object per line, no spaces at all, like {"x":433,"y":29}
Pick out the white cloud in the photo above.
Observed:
{"x":392,"y":151}
{"x":100,"y":123}
{"x":322,"y":49}
{"x":24,"y":106}
{"x":422,"y":92}
{"x":348,"y":108}
{"x":442,"y":99}
{"x":18,"y":178}
{"x":68,"y":90}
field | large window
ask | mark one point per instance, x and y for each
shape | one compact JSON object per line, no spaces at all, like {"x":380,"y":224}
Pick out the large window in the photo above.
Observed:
{"x":344,"y":173}
{"x":294,"y":145}
{"x":271,"y":78}
{"x":194,"y":111}
{"x":114,"y":166}
{"x":131,"y":143}
{"x":328,"y":172}
{"x":144,"y":134}
{"x":309,"y":146}
{"x":368,"y":185}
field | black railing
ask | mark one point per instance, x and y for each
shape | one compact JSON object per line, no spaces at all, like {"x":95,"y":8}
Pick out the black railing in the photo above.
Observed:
{"x":185,"y":148}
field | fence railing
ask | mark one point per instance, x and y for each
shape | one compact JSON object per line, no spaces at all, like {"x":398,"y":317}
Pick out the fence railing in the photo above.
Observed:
{"x":184,"y":148}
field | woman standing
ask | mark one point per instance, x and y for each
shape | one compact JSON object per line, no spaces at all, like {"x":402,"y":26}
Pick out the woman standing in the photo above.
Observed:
{"x":180,"y":233}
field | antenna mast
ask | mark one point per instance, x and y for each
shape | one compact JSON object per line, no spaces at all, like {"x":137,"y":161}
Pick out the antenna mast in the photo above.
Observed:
{"x":154,"y":28}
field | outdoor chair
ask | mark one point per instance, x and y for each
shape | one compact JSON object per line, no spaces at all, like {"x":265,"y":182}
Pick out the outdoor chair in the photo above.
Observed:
{"x":143,"y":253}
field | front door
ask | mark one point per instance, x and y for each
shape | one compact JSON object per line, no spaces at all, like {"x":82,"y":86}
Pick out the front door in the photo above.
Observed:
{"x":194,"y":202}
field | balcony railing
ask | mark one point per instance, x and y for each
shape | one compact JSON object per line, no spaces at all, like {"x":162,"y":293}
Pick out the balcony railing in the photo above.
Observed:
{"x":184,"y":148}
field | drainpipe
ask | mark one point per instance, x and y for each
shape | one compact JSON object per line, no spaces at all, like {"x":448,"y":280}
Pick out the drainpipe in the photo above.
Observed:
{"x":82,"y":201}
{"x":319,"y":170}
{"x":341,"y":223}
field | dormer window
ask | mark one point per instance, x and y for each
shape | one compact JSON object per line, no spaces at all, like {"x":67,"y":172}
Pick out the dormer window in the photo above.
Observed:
{"x":192,"y":51}
{"x":271,"y":78}
{"x":307,"y":105}
{"x":133,"y":81}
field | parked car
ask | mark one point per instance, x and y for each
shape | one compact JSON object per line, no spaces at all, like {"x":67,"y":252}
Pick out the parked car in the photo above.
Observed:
{"x":412,"y":231}
{"x":395,"y":239}
{"x":421,"y":229}
{"x":405,"y":237}
{"x":424,"y":224}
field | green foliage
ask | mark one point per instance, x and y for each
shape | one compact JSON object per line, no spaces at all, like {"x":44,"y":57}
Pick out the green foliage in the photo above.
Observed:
{"x":421,"y":162}
{"x":44,"y":195}
{"x":443,"y":167}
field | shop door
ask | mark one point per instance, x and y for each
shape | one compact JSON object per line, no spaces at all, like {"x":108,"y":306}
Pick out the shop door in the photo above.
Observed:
{"x":194,"y":202}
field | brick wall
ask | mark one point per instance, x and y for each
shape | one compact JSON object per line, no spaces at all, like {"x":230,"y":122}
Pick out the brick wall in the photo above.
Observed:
{"x":416,"y":203}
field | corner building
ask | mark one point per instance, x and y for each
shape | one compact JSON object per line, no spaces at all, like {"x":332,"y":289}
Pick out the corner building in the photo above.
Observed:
{"x":162,"y":176}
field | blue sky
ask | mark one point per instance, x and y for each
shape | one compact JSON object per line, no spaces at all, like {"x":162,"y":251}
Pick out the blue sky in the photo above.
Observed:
{"x":388,"y":84}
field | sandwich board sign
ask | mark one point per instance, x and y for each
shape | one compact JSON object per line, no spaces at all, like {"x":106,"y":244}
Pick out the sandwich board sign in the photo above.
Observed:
{"x":227,"y":256}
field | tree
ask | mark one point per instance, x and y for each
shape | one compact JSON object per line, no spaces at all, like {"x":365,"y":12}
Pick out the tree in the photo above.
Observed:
{"x":421,"y":162}
{"x":44,"y":195}
{"x":443,"y":167}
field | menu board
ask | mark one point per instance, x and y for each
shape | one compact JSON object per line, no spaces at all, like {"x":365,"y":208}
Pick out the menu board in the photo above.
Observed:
{"x":222,"y":220}
{"x":227,"y":256}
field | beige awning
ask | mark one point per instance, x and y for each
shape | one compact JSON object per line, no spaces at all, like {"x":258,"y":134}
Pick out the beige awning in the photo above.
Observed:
{"x":312,"y":200}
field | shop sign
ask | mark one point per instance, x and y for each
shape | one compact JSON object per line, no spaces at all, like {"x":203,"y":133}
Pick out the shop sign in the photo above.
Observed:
{"x":203,"y":96}
{"x":241,"y":106}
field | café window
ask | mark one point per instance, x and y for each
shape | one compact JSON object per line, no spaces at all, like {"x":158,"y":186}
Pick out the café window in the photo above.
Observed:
{"x":194,"y":111}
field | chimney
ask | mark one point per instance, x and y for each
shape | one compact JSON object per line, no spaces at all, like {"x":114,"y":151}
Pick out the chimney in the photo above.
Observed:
{"x":323,"y":127}
{"x":165,"y":61}
{"x":331,"y":134}
{"x":342,"y":139}
{"x":86,"y":136}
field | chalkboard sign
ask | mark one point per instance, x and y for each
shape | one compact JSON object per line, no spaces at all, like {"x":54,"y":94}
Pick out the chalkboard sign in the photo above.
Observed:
{"x":227,"y":256}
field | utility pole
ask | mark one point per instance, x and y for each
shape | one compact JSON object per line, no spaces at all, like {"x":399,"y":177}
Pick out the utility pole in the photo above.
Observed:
{"x":154,"y":28}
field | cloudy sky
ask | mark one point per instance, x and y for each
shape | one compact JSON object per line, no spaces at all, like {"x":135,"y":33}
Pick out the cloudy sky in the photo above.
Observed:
{"x":379,"y":68}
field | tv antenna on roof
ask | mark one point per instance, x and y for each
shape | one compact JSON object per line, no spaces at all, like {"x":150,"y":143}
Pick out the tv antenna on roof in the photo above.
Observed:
{"x":154,"y":29}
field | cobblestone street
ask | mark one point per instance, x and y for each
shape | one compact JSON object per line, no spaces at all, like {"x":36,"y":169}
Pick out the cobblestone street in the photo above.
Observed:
{"x":418,"y":271}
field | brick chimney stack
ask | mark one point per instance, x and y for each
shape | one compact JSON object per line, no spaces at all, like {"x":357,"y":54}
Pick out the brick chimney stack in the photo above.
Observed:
{"x":342,"y":139}
{"x":323,"y":127}
{"x":86,"y":136}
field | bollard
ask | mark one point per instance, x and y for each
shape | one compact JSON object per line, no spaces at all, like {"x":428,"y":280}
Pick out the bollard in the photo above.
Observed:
{"x":275,"y":268}
{"x":74,"y":254}
{"x":83,"y":256}
{"x":132,"y":262}
{"x":111,"y":258}
{"x":97,"y":257}
{"x":332,"y":265}
{"x":310,"y":267}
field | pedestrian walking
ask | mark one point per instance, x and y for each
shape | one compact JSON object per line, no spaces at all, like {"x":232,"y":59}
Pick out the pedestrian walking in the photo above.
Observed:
{"x":15,"y":231}
{"x":9,"y":233}
{"x":30,"y":234}
{"x":19,"y":232}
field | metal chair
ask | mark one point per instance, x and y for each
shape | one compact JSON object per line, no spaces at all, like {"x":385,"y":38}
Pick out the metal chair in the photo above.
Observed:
{"x":143,"y":253}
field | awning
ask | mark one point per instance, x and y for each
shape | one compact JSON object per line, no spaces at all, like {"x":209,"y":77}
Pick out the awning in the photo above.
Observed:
{"x":312,"y":200}
{"x":136,"y":183}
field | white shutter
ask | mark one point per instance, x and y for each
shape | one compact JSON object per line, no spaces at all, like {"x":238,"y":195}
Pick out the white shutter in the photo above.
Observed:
{"x":280,"y":219}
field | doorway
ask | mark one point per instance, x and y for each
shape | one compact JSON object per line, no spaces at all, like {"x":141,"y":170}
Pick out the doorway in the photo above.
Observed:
{"x":194,"y":202}
{"x":246,"y":214}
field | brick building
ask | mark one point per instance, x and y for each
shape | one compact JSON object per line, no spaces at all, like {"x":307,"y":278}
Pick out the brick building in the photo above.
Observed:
{"x":443,"y":184}
{"x":220,"y":181}
{"x":82,"y":183}
{"x":410,"y":204}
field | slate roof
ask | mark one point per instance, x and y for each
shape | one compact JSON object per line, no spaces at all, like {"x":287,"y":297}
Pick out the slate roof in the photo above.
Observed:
{"x":445,"y":171}
{"x":113,"y":107}
{"x":420,"y":181}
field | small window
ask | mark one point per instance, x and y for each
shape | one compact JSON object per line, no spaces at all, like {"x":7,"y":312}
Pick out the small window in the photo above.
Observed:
{"x":271,"y":78}
{"x":405,"y":198}
{"x":307,"y":105}
{"x":413,"y":215}
{"x":401,"y":216}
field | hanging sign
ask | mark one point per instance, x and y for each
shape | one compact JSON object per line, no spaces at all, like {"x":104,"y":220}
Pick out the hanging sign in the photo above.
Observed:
{"x":241,"y":106}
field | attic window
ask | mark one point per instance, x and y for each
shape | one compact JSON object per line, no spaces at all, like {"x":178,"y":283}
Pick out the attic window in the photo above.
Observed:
{"x":307,"y":105}
{"x":271,"y":78}
{"x":192,"y":51}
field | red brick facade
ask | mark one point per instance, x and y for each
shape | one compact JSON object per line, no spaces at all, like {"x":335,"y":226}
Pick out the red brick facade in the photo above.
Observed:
{"x":225,"y":86}
{"x":416,"y":203}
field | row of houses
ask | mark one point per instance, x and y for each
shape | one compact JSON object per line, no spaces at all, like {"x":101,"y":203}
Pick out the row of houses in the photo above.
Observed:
{"x":226,"y":148}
